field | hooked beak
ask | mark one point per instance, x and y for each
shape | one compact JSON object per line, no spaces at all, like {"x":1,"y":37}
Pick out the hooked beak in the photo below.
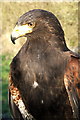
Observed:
{"x":20,"y":31}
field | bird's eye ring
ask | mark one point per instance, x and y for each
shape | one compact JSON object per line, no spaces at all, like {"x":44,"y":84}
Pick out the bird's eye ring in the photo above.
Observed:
{"x":31,"y":24}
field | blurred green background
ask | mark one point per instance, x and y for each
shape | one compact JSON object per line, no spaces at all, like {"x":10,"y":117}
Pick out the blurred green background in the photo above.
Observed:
{"x":66,"y":12}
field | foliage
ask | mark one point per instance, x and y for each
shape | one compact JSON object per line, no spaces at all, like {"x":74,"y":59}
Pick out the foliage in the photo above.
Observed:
{"x":66,"y":12}
{"x":6,"y":59}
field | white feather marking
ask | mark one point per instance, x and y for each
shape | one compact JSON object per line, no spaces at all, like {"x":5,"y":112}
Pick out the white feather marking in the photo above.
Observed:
{"x":42,"y":101}
{"x":35,"y":84}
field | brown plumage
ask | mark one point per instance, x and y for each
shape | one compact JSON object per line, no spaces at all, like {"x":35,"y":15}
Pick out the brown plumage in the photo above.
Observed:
{"x":44,"y":75}
{"x":72,"y":84}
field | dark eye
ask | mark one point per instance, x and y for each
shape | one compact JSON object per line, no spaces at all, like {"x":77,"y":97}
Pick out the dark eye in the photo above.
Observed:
{"x":30,"y":24}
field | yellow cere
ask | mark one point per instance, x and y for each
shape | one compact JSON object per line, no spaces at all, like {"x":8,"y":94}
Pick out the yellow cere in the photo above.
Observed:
{"x":21,"y":30}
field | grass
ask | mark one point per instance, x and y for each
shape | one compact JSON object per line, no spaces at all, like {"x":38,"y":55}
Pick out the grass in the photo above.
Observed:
{"x":66,"y":12}
{"x":6,"y":59}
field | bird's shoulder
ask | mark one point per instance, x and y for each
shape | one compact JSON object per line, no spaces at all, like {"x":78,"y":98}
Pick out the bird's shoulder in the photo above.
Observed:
{"x":72,"y":83}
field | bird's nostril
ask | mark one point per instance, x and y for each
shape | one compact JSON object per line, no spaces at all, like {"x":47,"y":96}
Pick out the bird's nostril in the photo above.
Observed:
{"x":17,"y":30}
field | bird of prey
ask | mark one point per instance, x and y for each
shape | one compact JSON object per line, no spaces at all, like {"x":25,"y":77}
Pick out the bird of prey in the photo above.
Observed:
{"x":44,"y":80}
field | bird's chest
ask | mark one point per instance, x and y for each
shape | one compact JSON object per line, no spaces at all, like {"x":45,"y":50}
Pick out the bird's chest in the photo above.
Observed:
{"x":39,"y":76}
{"x":42,"y":72}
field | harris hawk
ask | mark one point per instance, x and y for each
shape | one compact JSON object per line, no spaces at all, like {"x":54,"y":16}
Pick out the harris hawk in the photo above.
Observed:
{"x":44,"y":80}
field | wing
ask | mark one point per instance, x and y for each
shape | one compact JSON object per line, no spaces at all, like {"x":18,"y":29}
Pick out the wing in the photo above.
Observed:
{"x":17,"y":107}
{"x":72,"y":84}
{"x":16,"y":115}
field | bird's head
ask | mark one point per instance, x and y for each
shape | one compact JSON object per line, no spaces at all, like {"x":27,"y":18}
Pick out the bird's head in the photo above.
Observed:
{"x":38,"y":23}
